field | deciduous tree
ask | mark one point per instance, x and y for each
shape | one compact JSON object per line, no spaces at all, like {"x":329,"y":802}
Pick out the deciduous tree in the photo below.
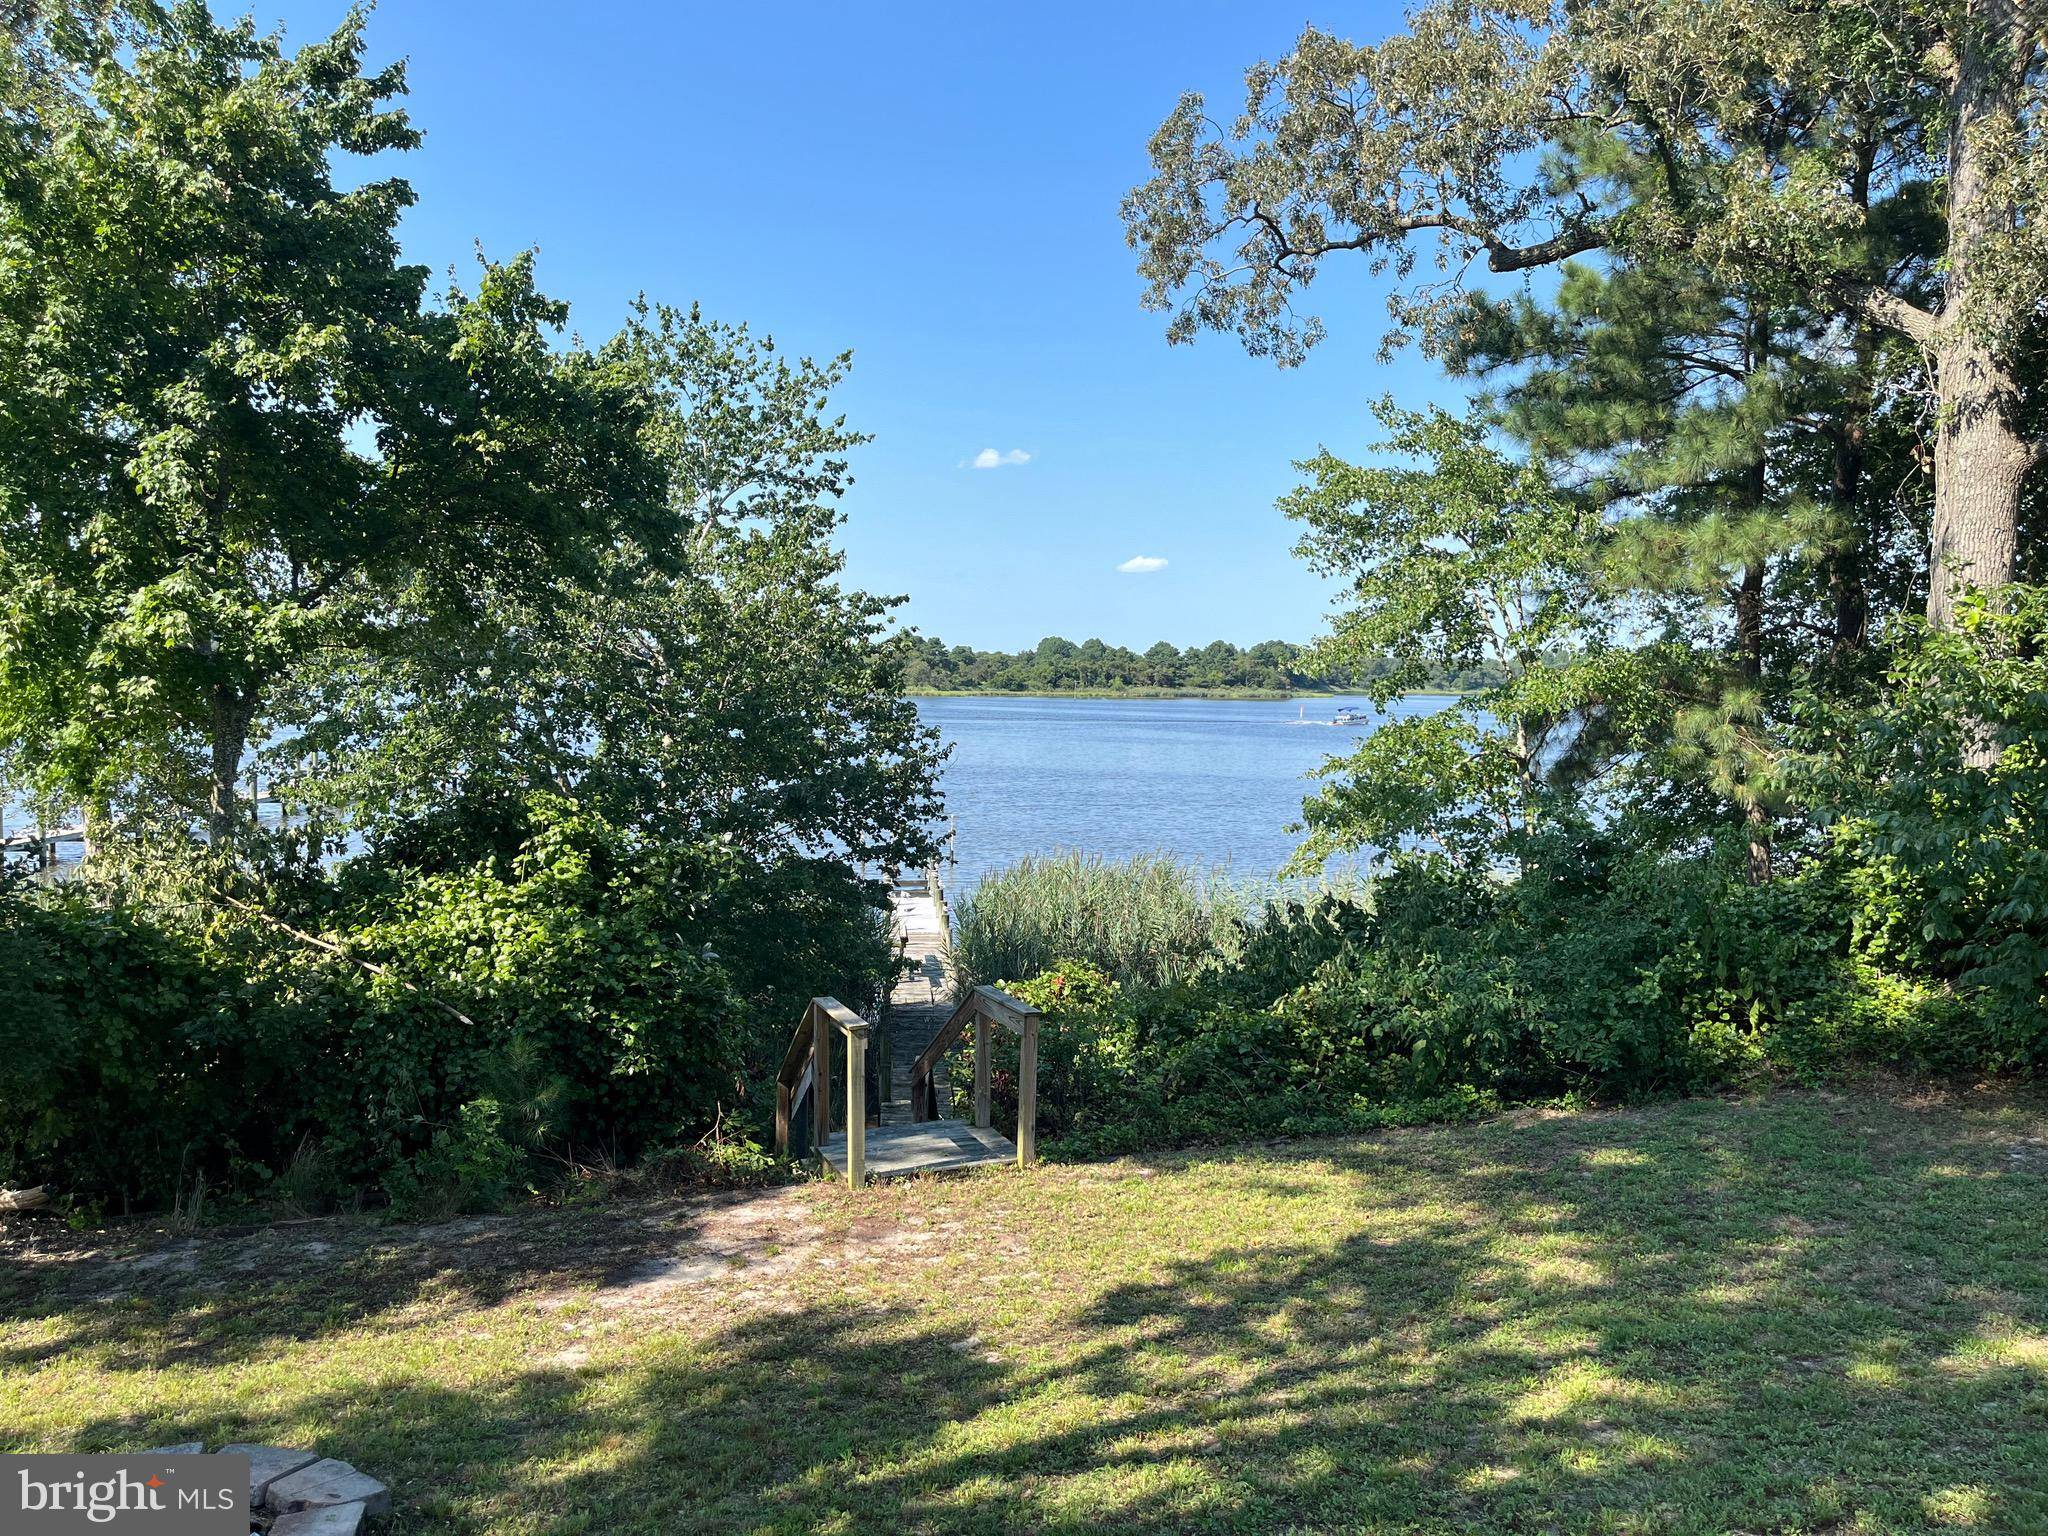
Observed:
{"x":234,"y":431}
{"x":1781,"y":146}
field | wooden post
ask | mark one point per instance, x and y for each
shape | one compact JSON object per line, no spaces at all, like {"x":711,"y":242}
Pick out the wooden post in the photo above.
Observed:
{"x":981,"y":1096}
{"x":821,"y":1078}
{"x":1027,"y":1094}
{"x":856,"y":1107}
{"x":885,"y":1071}
{"x":782,"y":1118}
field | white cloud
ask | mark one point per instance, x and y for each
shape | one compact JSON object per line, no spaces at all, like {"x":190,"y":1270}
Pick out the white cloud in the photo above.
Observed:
{"x":989,"y":458}
{"x":1143,"y":565}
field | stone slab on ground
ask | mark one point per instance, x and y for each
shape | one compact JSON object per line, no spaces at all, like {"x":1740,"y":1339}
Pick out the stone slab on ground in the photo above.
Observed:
{"x":326,"y":1520}
{"x":328,"y":1482}
{"x":267,"y":1463}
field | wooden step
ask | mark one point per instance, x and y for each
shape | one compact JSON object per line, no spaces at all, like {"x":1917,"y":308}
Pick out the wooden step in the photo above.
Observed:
{"x":933,"y":1146}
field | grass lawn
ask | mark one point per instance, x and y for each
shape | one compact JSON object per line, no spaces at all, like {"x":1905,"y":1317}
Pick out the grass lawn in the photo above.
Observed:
{"x":1797,"y":1312}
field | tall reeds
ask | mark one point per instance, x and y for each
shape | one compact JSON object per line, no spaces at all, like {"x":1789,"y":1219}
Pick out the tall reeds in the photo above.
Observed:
{"x":1148,"y":920}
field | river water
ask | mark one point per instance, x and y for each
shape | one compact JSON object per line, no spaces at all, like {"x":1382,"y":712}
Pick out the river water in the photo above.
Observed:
{"x":1213,"y":781}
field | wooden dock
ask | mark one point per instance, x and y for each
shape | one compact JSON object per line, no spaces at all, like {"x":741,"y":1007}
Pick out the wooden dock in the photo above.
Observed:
{"x":918,"y":1007}
{"x":921,"y":1001}
{"x":913,"y":1129}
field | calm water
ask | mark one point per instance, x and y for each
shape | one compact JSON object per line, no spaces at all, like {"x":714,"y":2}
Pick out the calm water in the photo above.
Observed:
{"x":1210,"y":780}
{"x":1214,"y":781}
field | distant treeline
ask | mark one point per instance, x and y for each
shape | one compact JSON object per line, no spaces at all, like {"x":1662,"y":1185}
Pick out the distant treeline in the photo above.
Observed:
{"x":1057,"y":665}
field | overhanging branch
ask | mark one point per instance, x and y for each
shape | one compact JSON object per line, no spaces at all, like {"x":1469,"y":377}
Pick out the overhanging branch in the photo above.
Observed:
{"x":1885,"y":308}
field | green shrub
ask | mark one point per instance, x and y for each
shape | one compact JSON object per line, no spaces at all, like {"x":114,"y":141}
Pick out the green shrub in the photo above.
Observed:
{"x":1285,"y":945}
{"x":721,"y":1163}
{"x":567,"y":987}
{"x":577,"y":953}
{"x":1604,"y":969}
{"x":1950,"y":854}
{"x":468,"y":1166}
{"x":1085,"y":1053}
{"x":139,"y":1057}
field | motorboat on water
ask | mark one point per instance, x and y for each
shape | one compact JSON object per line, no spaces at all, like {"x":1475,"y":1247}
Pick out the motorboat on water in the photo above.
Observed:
{"x":1346,"y":715}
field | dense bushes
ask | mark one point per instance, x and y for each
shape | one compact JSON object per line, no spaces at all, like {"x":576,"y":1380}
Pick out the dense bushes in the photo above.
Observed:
{"x":583,"y":947}
{"x":136,"y":1058}
{"x":1603,"y":969}
{"x":1122,"y":1068}
{"x":423,"y":1030}
{"x":1950,"y":851}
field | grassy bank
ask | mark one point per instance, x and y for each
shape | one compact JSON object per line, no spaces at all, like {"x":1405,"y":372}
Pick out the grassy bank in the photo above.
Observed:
{"x":1795,"y":1313}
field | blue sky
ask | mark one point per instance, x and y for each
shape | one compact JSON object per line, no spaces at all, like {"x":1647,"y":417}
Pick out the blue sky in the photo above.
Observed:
{"x":935,"y":188}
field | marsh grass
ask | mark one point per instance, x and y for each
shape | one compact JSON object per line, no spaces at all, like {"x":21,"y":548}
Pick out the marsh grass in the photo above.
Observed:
{"x":1149,"y":920}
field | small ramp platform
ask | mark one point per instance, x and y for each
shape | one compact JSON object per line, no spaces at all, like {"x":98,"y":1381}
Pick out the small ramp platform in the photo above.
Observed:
{"x":930,"y":1146}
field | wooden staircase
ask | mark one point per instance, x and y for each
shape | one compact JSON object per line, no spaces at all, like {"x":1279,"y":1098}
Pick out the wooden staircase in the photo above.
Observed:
{"x":909,"y":1130}
{"x":920,"y":1002}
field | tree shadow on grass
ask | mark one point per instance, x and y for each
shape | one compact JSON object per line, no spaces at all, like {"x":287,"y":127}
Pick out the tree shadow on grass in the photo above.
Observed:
{"x":1690,"y":1323}
{"x":766,"y":1422}
{"x":219,"y":1296}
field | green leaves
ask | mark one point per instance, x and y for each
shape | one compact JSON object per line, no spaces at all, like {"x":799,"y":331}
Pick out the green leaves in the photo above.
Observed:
{"x":237,"y":437}
{"x":1952,"y":854}
{"x":700,"y":674}
{"x":1344,"y":148}
{"x":1454,"y":556}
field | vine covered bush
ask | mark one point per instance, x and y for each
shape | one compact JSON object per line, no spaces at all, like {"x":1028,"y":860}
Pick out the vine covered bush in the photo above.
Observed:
{"x":457,"y":1029}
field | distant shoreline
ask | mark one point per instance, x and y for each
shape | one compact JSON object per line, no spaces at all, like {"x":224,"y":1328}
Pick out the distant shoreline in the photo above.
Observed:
{"x":1241,"y":695}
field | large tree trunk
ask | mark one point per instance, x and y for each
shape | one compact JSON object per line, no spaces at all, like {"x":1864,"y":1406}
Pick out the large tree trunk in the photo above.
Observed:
{"x":1749,"y":657}
{"x":1979,"y":465}
{"x":1758,"y":821}
{"x":1749,"y":622}
{"x":232,"y":713}
{"x":1749,"y":608}
{"x":1979,"y":460}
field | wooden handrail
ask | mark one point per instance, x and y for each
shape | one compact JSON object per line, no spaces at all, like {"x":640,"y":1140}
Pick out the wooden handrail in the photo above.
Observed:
{"x":813,"y":1043}
{"x":921,"y":1069}
{"x":984,"y":1007}
{"x":1002,"y":1008}
{"x":937,"y":887}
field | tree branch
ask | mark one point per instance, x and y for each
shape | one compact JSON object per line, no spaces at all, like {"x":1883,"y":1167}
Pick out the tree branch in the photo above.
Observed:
{"x":1885,"y":308}
{"x":1574,"y":240}
{"x":340,"y":953}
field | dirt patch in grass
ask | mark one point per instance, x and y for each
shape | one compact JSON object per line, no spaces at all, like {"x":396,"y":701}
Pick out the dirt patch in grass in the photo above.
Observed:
{"x":1794,"y":1312}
